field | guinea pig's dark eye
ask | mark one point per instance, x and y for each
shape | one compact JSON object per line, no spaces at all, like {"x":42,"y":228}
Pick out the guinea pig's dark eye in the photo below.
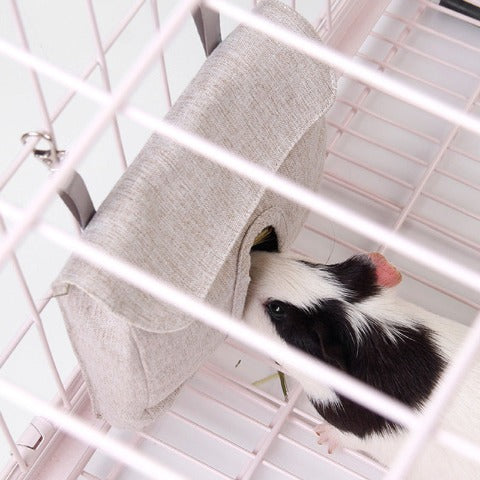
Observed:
{"x":276,"y":309}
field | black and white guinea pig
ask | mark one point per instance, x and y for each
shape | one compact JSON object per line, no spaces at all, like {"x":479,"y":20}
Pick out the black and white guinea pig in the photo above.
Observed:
{"x":349,"y":316}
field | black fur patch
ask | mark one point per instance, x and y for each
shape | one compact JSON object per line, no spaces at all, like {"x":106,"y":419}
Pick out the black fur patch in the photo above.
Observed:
{"x":320,"y":332}
{"x":406,"y":369}
{"x":357,"y":275}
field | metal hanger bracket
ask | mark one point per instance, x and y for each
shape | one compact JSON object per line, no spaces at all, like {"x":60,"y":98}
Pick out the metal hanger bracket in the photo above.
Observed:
{"x":75,"y":194}
{"x":208,"y":26}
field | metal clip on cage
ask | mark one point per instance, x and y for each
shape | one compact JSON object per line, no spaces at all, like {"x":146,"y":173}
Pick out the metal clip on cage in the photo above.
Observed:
{"x":395,"y":162}
{"x":74,"y":194}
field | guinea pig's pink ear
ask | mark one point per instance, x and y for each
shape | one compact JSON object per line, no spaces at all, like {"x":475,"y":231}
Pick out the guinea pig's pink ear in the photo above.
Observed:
{"x":387,"y":274}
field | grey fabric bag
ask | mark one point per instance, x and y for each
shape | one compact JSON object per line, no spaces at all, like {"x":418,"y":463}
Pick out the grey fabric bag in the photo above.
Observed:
{"x":188,"y":221}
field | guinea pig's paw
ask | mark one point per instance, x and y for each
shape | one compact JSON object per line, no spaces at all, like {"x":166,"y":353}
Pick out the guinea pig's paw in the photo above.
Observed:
{"x":329,"y":436}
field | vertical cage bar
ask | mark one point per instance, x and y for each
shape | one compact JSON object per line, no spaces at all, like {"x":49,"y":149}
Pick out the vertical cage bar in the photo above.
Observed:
{"x":275,"y":427}
{"x":121,"y":94}
{"x":163,"y":67}
{"x":11,"y":443}
{"x":356,"y":70}
{"x":412,"y":76}
{"x":350,"y":387}
{"x":299,"y":194}
{"x":22,"y":331}
{"x":102,"y":63}
{"x":329,"y":15}
{"x":87,"y":434}
{"x":363,"y":95}
{"x":16,"y":339}
{"x":32,"y":141}
{"x":38,"y":323}
{"x":433,"y":32}
{"x":255,"y":2}
{"x":171,"y":448}
{"x":421,"y":53}
{"x":36,"y":82}
{"x":430,"y":170}
{"x":428,"y":423}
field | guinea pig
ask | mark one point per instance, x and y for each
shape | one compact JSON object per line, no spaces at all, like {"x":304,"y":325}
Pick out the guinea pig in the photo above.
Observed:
{"x":349,"y":316}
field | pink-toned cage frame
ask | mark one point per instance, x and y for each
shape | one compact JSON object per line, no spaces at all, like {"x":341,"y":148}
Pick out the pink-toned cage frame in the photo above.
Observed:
{"x":85,"y":433}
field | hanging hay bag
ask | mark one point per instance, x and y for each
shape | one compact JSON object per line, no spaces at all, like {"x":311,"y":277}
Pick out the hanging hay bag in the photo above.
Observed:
{"x":192,"y":223}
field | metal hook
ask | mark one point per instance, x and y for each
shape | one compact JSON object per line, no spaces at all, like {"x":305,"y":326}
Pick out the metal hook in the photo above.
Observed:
{"x":75,"y":193}
{"x":48,"y":157}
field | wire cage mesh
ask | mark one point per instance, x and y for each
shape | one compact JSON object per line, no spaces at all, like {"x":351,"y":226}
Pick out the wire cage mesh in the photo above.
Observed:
{"x":400,"y":176}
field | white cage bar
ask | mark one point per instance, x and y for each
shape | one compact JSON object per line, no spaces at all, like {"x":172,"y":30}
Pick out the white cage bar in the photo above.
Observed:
{"x":113,"y":102}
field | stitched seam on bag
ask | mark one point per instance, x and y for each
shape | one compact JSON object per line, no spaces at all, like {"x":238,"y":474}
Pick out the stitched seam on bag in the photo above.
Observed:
{"x":86,"y":377}
{"x":144,"y":369}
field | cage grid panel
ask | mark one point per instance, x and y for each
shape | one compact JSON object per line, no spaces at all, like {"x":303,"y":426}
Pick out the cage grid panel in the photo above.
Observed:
{"x":414,"y":197}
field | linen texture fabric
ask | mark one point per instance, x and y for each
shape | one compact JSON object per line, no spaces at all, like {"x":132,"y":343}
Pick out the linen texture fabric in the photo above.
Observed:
{"x":188,"y":221}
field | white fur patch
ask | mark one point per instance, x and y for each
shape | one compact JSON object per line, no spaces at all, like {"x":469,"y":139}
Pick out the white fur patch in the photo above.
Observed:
{"x":384,"y":308}
{"x":357,"y":320}
{"x":319,"y":392}
{"x":275,"y":276}
{"x":289,"y":280}
{"x":280,"y":277}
